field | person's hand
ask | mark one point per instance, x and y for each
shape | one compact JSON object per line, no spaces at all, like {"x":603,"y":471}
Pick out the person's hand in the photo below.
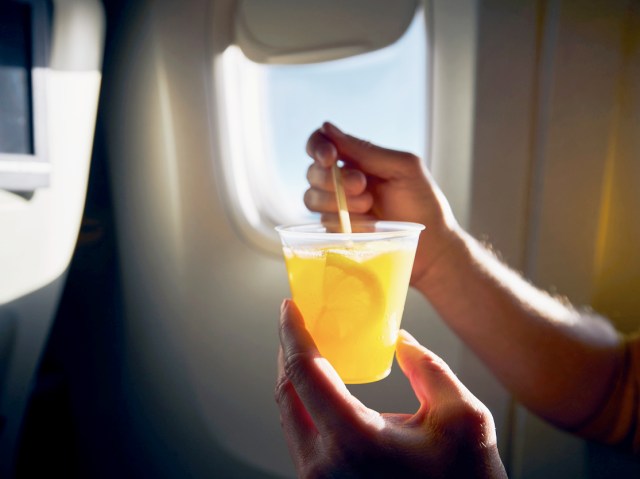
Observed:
{"x":380,"y":184}
{"x":331,"y":434}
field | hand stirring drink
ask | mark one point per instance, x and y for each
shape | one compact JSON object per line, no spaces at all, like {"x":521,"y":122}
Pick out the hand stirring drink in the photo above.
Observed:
{"x":351,"y":287}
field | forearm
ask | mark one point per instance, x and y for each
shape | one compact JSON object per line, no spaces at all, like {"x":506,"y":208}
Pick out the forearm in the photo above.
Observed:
{"x":557,"y":361}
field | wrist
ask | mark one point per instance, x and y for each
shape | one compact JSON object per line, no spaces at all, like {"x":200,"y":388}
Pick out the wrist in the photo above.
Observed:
{"x":450,"y":256}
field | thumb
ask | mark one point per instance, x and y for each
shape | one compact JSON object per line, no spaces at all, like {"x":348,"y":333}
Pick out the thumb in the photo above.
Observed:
{"x":458,"y":411}
{"x":431,"y":379}
{"x":371,"y":159}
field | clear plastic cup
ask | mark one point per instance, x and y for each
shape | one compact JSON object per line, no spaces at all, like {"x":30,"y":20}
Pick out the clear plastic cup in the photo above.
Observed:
{"x":351,"y":290}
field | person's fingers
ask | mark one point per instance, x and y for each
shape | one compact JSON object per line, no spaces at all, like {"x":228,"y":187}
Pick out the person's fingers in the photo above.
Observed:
{"x":371,"y":159}
{"x":300,"y":432}
{"x":443,"y":398}
{"x":354,"y":181}
{"x":324,"y":395}
{"x":321,"y":149}
{"x":325,"y":201}
{"x":431,"y":379}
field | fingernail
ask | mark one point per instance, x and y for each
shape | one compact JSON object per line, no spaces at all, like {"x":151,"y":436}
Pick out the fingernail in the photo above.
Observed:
{"x":405,"y":337}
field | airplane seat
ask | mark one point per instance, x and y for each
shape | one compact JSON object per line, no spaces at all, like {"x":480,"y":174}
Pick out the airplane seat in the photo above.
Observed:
{"x":50,"y":62}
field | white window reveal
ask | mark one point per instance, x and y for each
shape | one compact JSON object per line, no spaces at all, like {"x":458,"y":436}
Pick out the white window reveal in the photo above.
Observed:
{"x":269,"y":110}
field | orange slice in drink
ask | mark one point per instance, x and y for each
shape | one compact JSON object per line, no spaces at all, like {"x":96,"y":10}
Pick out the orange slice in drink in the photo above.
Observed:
{"x":353,"y":298}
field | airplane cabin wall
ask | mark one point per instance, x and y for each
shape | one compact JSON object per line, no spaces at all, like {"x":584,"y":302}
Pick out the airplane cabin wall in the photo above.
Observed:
{"x":554,"y":180}
{"x":520,"y":134}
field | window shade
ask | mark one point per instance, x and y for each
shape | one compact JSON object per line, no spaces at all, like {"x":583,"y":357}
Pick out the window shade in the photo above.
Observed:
{"x":309,"y":31}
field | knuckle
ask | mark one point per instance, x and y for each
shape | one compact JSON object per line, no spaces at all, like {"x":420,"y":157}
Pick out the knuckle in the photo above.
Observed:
{"x":433,"y":363}
{"x":471,"y":421}
{"x":366,"y":144}
{"x":410,"y":158}
{"x":296,"y":364}
{"x":282,"y":389}
{"x":473,"y":417}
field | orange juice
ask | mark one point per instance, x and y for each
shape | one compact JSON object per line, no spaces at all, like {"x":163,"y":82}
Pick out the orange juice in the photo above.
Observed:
{"x":352,"y":297}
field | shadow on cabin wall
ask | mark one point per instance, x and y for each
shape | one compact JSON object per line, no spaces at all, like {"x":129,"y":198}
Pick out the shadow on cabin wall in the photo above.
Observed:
{"x":83,"y":419}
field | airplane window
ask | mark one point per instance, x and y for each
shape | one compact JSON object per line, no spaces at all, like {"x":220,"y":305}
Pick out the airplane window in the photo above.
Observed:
{"x":15,"y":79}
{"x":272,"y":109}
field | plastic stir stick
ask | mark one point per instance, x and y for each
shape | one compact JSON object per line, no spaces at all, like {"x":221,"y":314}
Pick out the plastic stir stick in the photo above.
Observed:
{"x":343,"y":212}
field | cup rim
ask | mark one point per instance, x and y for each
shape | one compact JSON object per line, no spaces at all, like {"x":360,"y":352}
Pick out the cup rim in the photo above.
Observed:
{"x":393,"y":229}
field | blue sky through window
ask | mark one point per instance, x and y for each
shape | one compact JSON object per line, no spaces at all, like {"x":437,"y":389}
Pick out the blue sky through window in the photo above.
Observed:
{"x":379,"y":96}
